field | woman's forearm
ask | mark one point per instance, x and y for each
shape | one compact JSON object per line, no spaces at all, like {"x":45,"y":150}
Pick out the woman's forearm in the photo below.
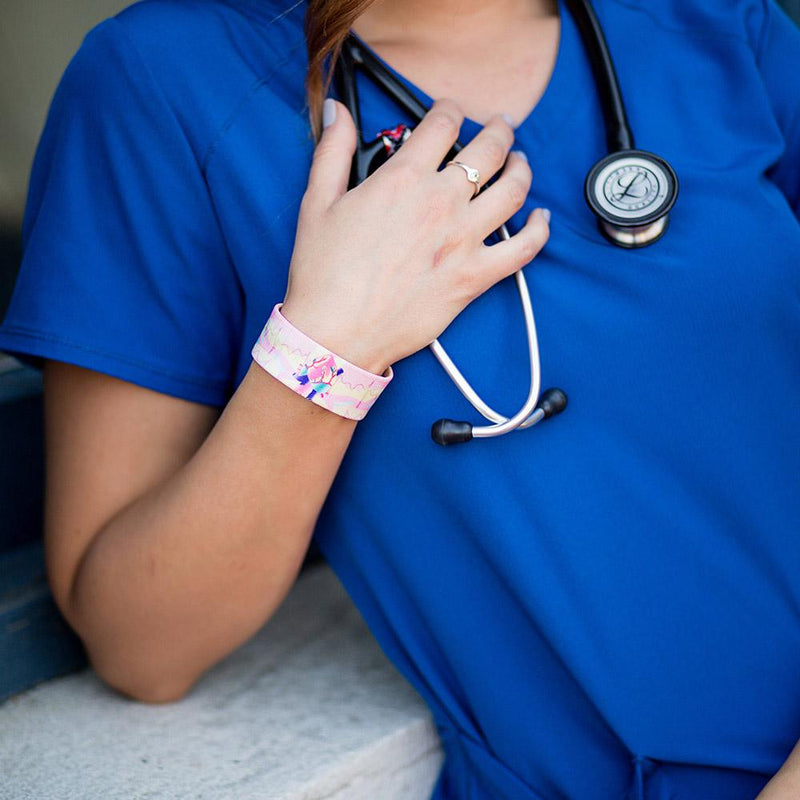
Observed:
{"x":180,"y":577}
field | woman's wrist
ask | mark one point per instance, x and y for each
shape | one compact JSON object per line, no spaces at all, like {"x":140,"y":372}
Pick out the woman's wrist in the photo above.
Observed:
{"x":315,"y":371}
{"x":357,"y":349}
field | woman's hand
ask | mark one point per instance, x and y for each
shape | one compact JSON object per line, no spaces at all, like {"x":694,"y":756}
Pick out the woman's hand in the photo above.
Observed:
{"x":380,"y":271}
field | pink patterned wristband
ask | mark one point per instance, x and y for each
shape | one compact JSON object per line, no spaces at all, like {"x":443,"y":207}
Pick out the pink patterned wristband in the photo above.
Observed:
{"x":309,"y":369}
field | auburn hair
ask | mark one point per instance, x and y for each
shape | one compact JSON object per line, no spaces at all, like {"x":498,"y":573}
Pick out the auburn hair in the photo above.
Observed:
{"x":327,"y":24}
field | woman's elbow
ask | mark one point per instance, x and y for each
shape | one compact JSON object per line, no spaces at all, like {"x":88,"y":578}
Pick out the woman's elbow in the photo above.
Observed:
{"x":143,"y":686}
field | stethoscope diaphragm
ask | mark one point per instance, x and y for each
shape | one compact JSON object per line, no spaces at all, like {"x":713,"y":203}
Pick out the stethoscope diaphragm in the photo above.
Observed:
{"x":631,"y":192}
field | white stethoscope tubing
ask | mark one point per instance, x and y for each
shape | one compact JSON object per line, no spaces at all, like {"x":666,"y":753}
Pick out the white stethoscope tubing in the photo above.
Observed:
{"x":528,"y":414}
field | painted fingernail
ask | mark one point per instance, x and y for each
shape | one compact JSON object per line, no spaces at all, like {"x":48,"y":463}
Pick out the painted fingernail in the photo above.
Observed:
{"x":546,"y":214}
{"x":509,"y":119}
{"x":328,"y":112}
{"x":520,"y":154}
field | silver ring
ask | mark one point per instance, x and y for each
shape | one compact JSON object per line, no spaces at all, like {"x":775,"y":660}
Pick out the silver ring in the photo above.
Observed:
{"x":473,"y":176}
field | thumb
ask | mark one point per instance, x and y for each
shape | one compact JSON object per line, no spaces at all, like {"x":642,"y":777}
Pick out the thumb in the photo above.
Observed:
{"x":330,"y":168}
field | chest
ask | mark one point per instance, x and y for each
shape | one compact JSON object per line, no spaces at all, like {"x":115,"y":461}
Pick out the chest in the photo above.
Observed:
{"x":505,"y":73}
{"x":592,"y":300}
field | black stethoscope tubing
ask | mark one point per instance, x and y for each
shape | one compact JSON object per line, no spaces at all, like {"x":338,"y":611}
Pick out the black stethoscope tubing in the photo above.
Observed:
{"x":618,"y":129}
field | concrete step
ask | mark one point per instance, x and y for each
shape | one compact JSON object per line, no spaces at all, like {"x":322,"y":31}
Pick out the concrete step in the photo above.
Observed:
{"x":309,"y":709}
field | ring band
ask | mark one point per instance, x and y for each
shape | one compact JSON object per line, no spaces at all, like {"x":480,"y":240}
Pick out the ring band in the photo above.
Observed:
{"x":473,"y":176}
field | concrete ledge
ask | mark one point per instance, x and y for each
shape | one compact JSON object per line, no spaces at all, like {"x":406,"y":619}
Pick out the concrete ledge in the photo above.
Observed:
{"x":309,"y":709}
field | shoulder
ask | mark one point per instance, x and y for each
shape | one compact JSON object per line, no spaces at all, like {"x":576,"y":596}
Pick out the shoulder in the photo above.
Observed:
{"x":199,"y":58}
{"x":209,"y":35}
{"x":710,"y":19}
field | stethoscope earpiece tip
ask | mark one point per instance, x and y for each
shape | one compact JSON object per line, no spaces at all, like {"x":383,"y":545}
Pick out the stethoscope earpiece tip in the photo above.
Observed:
{"x":553,"y":401}
{"x":451,"y":431}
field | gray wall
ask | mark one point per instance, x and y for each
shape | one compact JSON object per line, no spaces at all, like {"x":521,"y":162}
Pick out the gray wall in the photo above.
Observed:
{"x":37,"y":39}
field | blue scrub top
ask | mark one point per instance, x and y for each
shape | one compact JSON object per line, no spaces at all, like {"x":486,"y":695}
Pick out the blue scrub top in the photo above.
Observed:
{"x":606,"y":606}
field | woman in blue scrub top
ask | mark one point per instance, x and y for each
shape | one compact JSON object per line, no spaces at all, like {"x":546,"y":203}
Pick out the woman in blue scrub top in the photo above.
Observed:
{"x":606,"y":606}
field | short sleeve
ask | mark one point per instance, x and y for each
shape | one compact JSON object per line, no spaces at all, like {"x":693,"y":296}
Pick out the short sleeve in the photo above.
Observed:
{"x":125,"y":270}
{"x":777,"y":41}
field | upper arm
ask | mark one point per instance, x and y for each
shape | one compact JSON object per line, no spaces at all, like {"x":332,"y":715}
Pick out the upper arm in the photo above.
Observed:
{"x":125,"y":273}
{"x":108,"y":443}
{"x":125,"y":270}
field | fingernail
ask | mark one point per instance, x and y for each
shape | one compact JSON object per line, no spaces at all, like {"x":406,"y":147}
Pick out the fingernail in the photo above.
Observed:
{"x":508,"y":118}
{"x":520,"y":154}
{"x":328,"y":112}
{"x":546,"y":214}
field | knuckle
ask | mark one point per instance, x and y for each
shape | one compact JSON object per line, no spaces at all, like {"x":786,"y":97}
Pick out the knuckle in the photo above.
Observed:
{"x":523,"y":170}
{"x":444,"y":123}
{"x":436,"y":207}
{"x":541,"y":234}
{"x":468,"y":284}
{"x":405,"y":174}
{"x":504,"y":130}
{"x":450,"y":106}
{"x":517,"y":192}
{"x":529,"y":247}
{"x":324,"y":151}
{"x":495,"y":150}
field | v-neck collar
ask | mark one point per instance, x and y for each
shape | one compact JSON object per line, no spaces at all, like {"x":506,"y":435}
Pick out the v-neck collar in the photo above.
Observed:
{"x":559,"y":97}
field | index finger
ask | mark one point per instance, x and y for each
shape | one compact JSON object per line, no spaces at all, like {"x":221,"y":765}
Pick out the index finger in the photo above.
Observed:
{"x":432,"y":139}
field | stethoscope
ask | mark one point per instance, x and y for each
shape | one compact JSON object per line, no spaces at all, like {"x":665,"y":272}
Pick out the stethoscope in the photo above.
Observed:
{"x":630,"y":191}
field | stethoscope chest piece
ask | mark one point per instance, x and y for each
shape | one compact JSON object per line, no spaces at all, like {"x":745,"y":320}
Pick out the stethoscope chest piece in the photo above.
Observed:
{"x":632,"y":192}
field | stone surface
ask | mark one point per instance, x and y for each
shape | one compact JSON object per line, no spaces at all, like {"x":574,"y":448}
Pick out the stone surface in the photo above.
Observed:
{"x":309,"y":709}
